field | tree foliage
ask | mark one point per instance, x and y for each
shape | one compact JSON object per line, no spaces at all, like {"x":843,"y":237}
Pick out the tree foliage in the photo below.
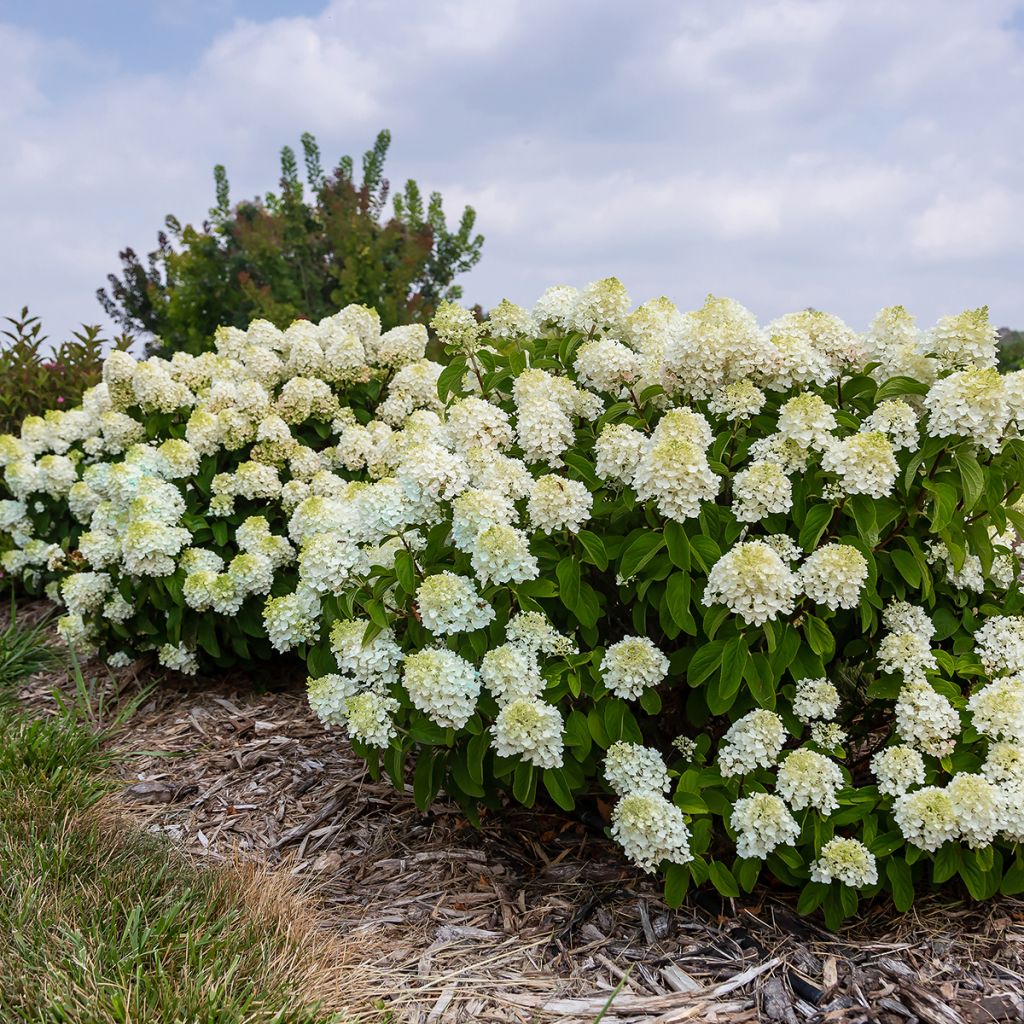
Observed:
{"x":300,"y":253}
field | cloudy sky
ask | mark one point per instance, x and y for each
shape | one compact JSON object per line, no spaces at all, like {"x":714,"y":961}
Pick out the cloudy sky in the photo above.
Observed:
{"x":845,"y":154}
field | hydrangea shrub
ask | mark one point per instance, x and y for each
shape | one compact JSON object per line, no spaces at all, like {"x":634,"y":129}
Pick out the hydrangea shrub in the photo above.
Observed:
{"x":758,"y":582}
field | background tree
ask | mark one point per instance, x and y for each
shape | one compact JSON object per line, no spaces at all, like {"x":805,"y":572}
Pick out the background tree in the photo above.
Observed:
{"x":287,"y":256}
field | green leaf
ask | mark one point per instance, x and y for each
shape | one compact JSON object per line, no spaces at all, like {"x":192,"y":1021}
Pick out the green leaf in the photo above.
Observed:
{"x":972,"y":874}
{"x":705,"y":660}
{"x":678,"y":545}
{"x":405,"y":570}
{"x":866,"y":518}
{"x":902,"y":883}
{"x":450,"y":378}
{"x":706,"y":551}
{"x":476,"y":750}
{"x":722,"y":880}
{"x":558,"y":789}
{"x":896,"y":386}
{"x":906,"y":565}
{"x":594,"y":548}
{"x":677,"y":881}
{"x":426,"y":779}
{"x":947,"y":863}
{"x":973,"y":478}
{"x":524,"y":784}
{"x":734,"y":661}
{"x":1013,"y":880}
{"x":568,"y":573}
{"x":818,"y":517}
{"x":811,"y":897}
{"x":320,"y":660}
{"x":637,"y":554}
{"x":944,"y":504}
{"x":677,"y":596}
{"x":819,"y":637}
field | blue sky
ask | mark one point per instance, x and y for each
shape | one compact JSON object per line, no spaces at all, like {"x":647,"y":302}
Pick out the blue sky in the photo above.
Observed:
{"x":845,"y":154}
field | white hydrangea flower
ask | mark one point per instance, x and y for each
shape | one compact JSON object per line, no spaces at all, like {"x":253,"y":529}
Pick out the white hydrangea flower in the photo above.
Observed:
{"x":292,"y":619}
{"x":865,"y":463}
{"x":784,"y":546}
{"x":739,"y":400}
{"x":926,"y":719}
{"x":969,"y":576}
{"x":556,"y":305}
{"x":834,"y":576}
{"x":632,"y":665}
{"x":634,"y":768}
{"x":685,"y":746}
{"x":534,"y":632}
{"x":828,"y":735}
{"x":369,"y":718}
{"x":530,"y":729}
{"x":449,"y":603}
{"x":472,"y":421}
{"x":501,"y":554}
{"x":966,"y":339}
{"x":178,"y":658}
{"x":793,"y":457}
{"x":898,"y":421}
{"x":507,"y":320}
{"x":557,"y":503}
{"x":328,"y":697}
{"x":847,"y":861}
{"x":543,"y":429}
{"x":815,"y":699}
{"x":251,"y":572}
{"x":430,"y":473}
{"x":753,"y":741}
{"x":998,"y":709}
{"x":511,"y":671}
{"x":926,"y":817}
{"x":762,"y":823}
{"x":999,"y":643}
{"x":809,"y":779}
{"x":651,"y":830}
{"x":405,"y":344}
{"x":761,"y":490}
{"x":901,"y":617}
{"x":618,"y":449}
{"x":329,"y":561}
{"x":601,"y":305}
{"x":970,"y":403}
{"x":812,"y":347}
{"x":978,"y":807}
{"x":752,"y":581}
{"x":84,"y":592}
{"x":442,"y":685}
{"x":707,"y":348}
{"x":909,"y":653}
{"x":894,"y":341}
{"x":673,"y":470}
{"x":1005,"y":764}
{"x":898,"y":768}
{"x":374,"y":662}
{"x":117,"y":609}
{"x":808,"y":421}
{"x":491,"y":471}
{"x":474,"y":510}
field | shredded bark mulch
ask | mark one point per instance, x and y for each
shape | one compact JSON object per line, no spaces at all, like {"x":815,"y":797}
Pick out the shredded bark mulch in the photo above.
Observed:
{"x":534,"y":917}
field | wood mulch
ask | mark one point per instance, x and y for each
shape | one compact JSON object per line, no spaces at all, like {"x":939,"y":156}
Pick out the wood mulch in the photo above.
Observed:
{"x":535,"y":917}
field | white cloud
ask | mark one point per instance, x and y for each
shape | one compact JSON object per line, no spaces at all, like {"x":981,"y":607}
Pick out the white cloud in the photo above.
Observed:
{"x":841,"y":153}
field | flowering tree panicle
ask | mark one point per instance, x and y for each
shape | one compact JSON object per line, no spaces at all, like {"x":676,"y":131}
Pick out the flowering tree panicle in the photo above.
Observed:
{"x":758,"y":581}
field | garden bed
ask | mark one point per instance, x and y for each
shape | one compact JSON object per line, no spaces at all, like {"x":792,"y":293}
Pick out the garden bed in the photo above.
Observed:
{"x":535,"y":916}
